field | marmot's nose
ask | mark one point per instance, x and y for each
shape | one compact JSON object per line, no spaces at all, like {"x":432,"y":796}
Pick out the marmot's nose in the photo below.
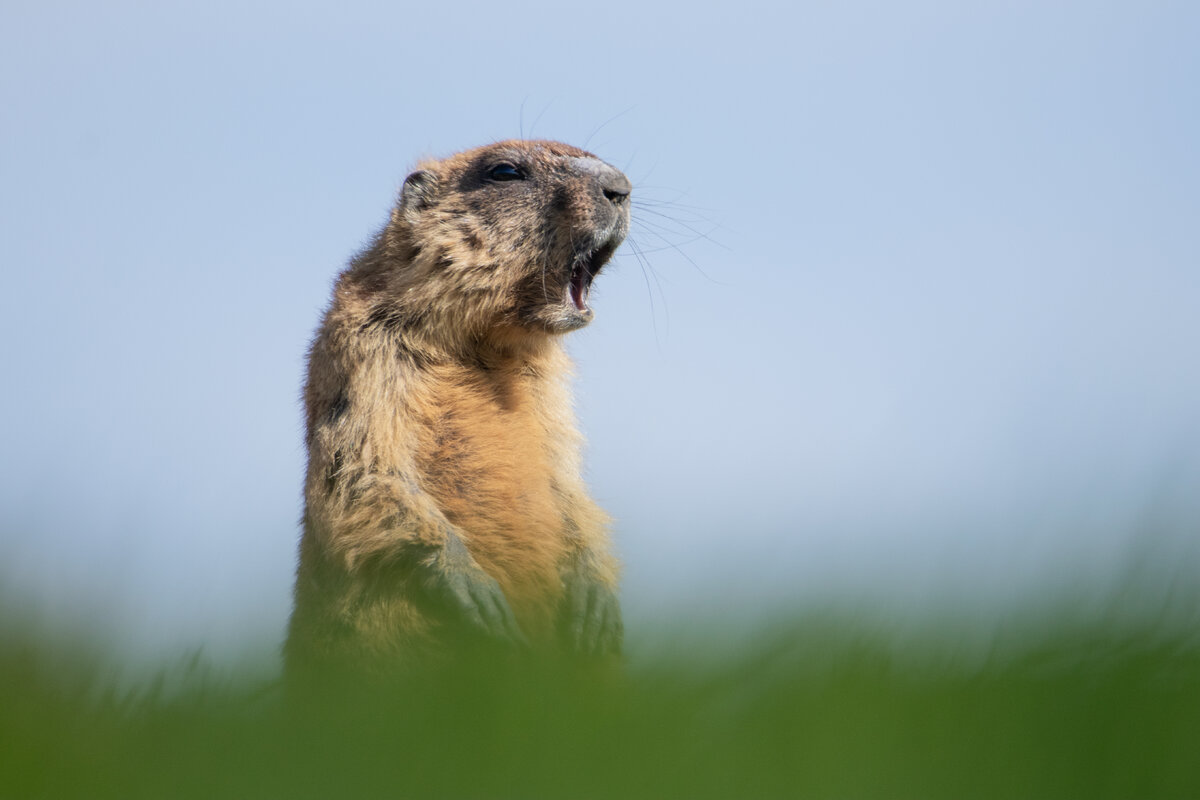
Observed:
{"x":615,"y":185}
{"x":612,"y":181}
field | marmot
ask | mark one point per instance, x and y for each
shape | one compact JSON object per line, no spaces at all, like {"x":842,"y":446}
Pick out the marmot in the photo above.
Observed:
{"x":443,"y":491}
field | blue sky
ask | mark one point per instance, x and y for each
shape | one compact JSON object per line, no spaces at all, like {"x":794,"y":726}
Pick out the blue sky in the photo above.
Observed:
{"x":935,"y":345}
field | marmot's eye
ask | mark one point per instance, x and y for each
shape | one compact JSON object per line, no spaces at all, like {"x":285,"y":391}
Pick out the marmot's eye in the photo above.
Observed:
{"x":506,"y":172}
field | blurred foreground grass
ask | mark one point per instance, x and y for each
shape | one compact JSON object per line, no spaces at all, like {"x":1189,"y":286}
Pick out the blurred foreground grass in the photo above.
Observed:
{"x":805,"y":710}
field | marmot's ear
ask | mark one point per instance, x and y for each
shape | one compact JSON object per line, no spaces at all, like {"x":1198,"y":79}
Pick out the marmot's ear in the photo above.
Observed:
{"x":417,"y":192}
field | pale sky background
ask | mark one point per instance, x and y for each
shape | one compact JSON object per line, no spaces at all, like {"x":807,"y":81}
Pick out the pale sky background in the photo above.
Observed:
{"x":937,"y":348}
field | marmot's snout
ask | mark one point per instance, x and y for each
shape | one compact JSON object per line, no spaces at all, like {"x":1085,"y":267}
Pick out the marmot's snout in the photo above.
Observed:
{"x":596,"y":246}
{"x":615,"y":185}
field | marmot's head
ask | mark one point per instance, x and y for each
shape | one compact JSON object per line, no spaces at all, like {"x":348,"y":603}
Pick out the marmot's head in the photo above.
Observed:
{"x":507,"y":236}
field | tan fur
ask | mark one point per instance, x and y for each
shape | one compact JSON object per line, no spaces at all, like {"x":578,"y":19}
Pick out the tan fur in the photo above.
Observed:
{"x":438,"y":405}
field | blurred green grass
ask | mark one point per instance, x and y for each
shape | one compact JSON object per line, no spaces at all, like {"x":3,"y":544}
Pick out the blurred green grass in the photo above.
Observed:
{"x":832,"y":708}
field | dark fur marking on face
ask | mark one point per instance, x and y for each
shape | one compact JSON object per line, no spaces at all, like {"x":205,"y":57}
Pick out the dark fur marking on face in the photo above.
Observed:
{"x":471,"y":237}
{"x":418,"y":358}
{"x":332,"y":471}
{"x":561,"y":201}
{"x":338,"y":409}
{"x":384,"y":317}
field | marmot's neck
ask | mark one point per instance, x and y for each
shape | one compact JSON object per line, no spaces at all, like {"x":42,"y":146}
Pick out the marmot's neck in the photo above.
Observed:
{"x":384,"y":289}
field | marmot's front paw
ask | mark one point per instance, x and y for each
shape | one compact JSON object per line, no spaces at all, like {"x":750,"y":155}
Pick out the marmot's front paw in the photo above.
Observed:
{"x":591,"y":617}
{"x":455,"y":580}
{"x":481,"y":603}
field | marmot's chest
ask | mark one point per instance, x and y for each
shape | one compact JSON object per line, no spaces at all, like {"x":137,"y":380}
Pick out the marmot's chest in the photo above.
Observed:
{"x":485,"y":459}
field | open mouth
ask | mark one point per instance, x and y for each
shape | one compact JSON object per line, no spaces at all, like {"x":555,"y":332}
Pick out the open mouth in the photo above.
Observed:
{"x":586,"y":268}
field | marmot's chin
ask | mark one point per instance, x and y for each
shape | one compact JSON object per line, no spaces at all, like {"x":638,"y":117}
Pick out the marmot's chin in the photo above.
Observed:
{"x":571,"y":319}
{"x":562,"y":317}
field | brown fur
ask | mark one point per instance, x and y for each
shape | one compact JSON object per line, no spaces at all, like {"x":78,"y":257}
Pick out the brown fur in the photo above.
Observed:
{"x":438,"y":406}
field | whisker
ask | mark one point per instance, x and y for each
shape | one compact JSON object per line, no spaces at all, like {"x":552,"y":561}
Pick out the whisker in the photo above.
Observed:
{"x":604,"y":124}
{"x":676,"y":212}
{"x":646,"y":271}
{"x":649,"y":228}
{"x":641,"y":182}
{"x":678,"y":227}
{"x":659,"y":231}
{"x":654,"y":202}
{"x":538,"y":118}
{"x":660,"y":249}
{"x":654,"y":187}
{"x":661,"y":292}
{"x":629,"y":162}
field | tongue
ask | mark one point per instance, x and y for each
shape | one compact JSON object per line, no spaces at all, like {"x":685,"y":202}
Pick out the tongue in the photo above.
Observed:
{"x":579,"y":291}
